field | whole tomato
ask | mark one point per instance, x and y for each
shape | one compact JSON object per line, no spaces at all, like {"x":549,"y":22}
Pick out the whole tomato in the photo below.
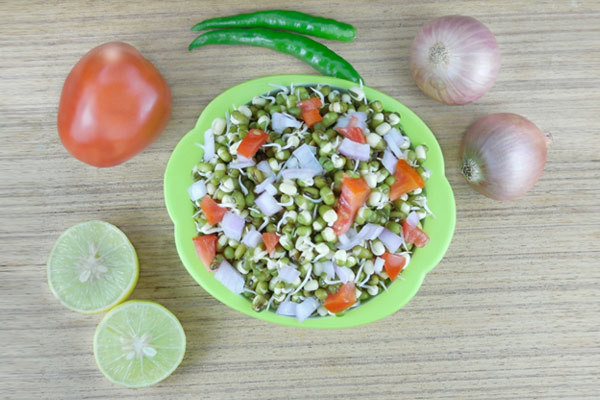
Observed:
{"x":114,"y":103}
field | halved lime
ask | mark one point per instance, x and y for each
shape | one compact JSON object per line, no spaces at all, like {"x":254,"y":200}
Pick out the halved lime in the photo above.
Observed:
{"x":92,"y":267}
{"x":139,"y":343}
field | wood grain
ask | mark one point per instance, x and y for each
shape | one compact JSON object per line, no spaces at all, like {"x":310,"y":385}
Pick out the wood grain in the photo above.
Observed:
{"x":512,"y":312}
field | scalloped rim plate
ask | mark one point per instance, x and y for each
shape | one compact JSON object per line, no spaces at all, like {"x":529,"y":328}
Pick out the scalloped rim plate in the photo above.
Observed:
{"x":439,"y":194}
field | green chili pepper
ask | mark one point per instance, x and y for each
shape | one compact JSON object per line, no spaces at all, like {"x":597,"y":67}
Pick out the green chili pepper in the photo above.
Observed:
{"x":319,"y":56}
{"x":282,"y":19}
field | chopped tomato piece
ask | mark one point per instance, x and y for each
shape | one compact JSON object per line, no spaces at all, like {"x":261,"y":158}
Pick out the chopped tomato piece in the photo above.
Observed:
{"x":414,"y":234}
{"x":353,"y":133}
{"x":355,"y":192}
{"x":344,"y":298}
{"x":206,"y":248}
{"x":394,"y":263}
{"x":252,"y":142}
{"x":310,"y":110}
{"x":271,"y":240}
{"x":311,"y":117}
{"x":214,"y":213}
{"x":407,"y":180}
{"x":314,"y":103}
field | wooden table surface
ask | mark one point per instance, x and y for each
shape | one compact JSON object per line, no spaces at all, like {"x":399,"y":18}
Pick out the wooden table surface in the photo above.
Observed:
{"x":511,"y":312}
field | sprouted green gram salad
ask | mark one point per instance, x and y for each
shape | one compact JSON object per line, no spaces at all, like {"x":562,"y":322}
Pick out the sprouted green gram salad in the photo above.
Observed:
{"x":309,"y":200}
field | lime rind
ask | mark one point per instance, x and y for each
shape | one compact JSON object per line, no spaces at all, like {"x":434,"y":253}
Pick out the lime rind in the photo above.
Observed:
{"x":139,"y":343}
{"x":106,"y":280}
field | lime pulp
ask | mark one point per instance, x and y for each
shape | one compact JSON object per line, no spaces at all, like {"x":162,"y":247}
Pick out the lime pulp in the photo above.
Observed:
{"x":139,"y":343}
{"x":92,"y":267}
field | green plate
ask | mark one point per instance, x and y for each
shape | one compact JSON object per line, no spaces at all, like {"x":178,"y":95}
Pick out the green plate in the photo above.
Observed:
{"x":178,"y":177}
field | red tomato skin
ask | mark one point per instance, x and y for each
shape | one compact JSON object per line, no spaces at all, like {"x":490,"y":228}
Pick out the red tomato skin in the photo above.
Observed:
{"x":355,"y":192}
{"x":270,"y":240}
{"x":114,"y":103}
{"x":206,"y":249}
{"x":407,"y":180}
{"x":394,"y":264}
{"x":213,"y":212}
{"x":414,"y":235}
{"x":252,"y":142}
{"x":344,"y":298}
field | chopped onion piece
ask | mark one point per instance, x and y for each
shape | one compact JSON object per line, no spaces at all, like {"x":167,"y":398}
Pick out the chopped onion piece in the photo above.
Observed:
{"x":272,"y":190}
{"x":280,"y":121}
{"x":370,"y":231}
{"x":343,"y":273}
{"x":378,"y":265}
{"x":264,"y":166}
{"x":241,"y":162}
{"x":288,"y":274}
{"x":306,"y":158}
{"x":197,"y":190}
{"x":394,"y":140}
{"x":361,"y":120}
{"x":287,"y":308}
{"x":267,"y":204}
{"x":355,"y":150}
{"x":343,"y":238}
{"x":306,"y":308}
{"x":328,"y":268}
{"x":298,"y":173}
{"x":252,"y":238}
{"x":263,"y":185}
{"x":389,"y":161}
{"x":390,"y":240}
{"x":209,"y":145}
{"x":230,"y":277}
{"x":232,"y":225}
{"x":412,"y":219}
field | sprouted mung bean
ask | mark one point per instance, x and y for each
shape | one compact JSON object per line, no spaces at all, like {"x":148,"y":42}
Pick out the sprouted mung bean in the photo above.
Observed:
{"x":274,"y":178}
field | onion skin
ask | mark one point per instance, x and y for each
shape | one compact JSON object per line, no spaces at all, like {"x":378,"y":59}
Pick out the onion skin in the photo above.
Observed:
{"x":455,"y":59}
{"x":503,"y":155}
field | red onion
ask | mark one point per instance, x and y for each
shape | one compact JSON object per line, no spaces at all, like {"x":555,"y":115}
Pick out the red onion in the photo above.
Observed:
{"x":368,"y":232}
{"x":209,"y":145}
{"x":306,"y":158}
{"x":378,"y":266}
{"x":230,"y":277}
{"x":503,"y":155}
{"x":265,"y":167}
{"x":361,"y":120}
{"x":390,"y":240}
{"x":288,"y":274}
{"x":280,"y":121}
{"x":252,"y":238}
{"x":272,"y":190}
{"x":455,"y":59}
{"x":241,"y":162}
{"x":267,"y":204}
{"x":389,"y":161}
{"x":232,"y":225}
{"x":412,"y":219}
{"x":355,"y":150}
{"x":263,"y":185}
{"x":287,"y":308}
{"x":343,"y":273}
{"x":197,"y":190}
{"x":394,"y":140}
{"x":306,"y":308}
{"x":299,"y":173}
{"x":328,"y":268}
